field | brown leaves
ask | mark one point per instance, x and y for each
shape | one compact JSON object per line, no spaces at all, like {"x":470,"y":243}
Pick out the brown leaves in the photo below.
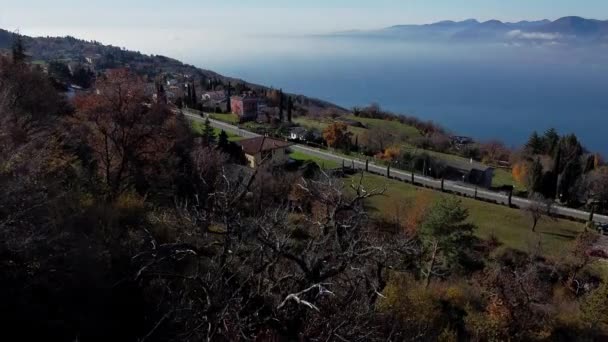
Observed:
{"x":336,"y":135}
{"x":128,"y":136}
{"x":520,"y":172}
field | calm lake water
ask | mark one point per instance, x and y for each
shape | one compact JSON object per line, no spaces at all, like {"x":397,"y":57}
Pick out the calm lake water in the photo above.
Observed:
{"x":488,"y":92}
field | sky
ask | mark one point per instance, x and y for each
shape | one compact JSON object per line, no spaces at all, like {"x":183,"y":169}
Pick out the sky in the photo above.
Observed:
{"x":278,"y":16}
{"x":165,"y":26}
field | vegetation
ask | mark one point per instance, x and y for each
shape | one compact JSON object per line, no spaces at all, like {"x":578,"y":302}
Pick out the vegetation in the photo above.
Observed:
{"x":323,"y":163}
{"x":118,"y":223}
{"x":232,"y":119}
{"x":510,"y":227}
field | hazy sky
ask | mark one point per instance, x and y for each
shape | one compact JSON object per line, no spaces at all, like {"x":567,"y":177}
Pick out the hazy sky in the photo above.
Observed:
{"x":291,"y":16}
{"x":164,"y":26}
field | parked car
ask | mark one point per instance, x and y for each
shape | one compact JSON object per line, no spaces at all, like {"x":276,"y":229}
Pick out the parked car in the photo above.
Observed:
{"x":602,"y":229}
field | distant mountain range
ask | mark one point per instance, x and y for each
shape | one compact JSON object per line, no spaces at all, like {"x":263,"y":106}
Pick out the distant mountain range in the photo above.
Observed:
{"x":563,"y":30}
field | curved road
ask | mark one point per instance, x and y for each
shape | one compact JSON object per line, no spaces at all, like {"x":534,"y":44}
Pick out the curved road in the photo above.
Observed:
{"x":455,"y":187}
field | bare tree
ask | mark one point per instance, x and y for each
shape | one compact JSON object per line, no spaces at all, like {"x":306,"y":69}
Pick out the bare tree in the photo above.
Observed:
{"x":127,"y":137}
{"x":538,"y":208}
{"x":310,"y":267}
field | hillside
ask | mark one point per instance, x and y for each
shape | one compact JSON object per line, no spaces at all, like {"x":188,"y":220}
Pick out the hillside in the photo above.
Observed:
{"x":101,"y":57}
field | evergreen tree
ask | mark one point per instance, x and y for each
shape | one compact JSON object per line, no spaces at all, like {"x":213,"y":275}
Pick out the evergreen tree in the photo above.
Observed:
{"x":193,"y":100}
{"x":551,"y":140}
{"x":18,"y":49}
{"x":281,"y":105}
{"x":208,"y":135}
{"x":589,"y":164}
{"x":229,"y":94}
{"x":289,"y":108}
{"x":188,"y":98}
{"x":557,"y":170}
{"x":223,"y":140}
{"x":535,"y":144}
{"x":535,"y":177}
{"x":567,"y":181}
{"x":448,"y":230}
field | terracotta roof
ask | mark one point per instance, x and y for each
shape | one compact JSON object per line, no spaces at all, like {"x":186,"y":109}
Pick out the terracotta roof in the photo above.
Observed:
{"x":258,"y":144}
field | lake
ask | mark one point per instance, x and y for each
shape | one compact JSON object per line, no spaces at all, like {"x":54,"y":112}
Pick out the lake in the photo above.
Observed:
{"x":484,"y":91}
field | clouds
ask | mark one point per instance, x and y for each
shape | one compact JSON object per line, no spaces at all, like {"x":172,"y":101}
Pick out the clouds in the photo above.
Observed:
{"x":519,"y":34}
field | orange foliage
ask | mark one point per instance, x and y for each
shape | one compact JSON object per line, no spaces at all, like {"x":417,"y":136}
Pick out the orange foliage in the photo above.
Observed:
{"x":418,"y":212}
{"x":122,"y":132}
{"x":336,"y":135}
{"x":520,"y":172}
{"x":391,"y":153}
{"x":409,"y":216}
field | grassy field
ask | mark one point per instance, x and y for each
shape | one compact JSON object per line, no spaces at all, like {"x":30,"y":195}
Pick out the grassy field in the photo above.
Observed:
{"x":397,"y":128}
{"x":501,"y":176}
{"x":227,"y":118}
{"x":320,"y":124}
{"x":505,"y":177}
{"x":323,"y":163}
{"x":512,"y":227}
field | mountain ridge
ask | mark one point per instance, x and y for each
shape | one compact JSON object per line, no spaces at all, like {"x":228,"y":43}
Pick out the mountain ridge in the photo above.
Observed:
{"x":570,"y":29}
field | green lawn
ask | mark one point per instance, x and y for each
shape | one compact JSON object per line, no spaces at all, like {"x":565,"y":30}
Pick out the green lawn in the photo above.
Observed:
{"x":512,"y":227}
{"x":323,"y":163}
{"x":227,"y":118}
{"x":399,"y":129}
{"x":320,"y":124}
{"x":505,"y":177}
{"x":501,"y":176}
{"x":197,"y":128}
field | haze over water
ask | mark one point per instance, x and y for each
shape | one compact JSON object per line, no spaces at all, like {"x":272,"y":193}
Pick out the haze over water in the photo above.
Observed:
{"x":485,"y":91}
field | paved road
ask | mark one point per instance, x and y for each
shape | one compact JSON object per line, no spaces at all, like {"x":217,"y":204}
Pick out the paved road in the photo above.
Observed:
{"x":455,"y":187}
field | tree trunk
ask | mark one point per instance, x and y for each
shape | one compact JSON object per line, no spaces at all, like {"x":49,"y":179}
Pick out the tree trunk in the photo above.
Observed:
{"x":431,"y":264}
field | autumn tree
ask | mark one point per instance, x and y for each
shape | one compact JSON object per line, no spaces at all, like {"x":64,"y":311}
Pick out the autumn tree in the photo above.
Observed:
{"x":494,"y":151}
{"x":128,"y":138}
{"x":391,"y":154}
{"x":378,"y":138}
{"x":520,"y":172}
{"x":336,"y":135}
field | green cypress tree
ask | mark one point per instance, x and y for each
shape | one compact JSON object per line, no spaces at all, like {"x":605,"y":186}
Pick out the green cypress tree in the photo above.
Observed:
{"x":229,"y":94}
{"x":289,"y":108}
{"x":535,"y":144}
{"x":188,"y":97}
{"x":223,"y":140}
{"x":193,"y":100}
{"x":18,"y":49}
{"x":447,"y":227}
{"x":208,"y":134}
{"x":535,"y":176}
{"x":281,"y":105}
{"x":551,"y":140}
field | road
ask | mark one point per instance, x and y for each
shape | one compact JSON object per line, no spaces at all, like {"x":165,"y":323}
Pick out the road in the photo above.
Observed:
{"x":451,"y":186}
